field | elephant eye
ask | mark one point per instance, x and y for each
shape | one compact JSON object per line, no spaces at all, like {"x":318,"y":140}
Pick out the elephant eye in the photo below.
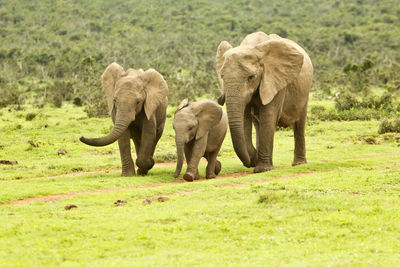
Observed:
{"x":190,"y":128}
{"x":250,"y":78}
{"x":222,"y":76}
{"x":137,"y":102}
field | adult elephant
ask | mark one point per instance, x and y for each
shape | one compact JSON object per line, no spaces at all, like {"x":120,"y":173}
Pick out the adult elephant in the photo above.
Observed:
{"x":266,"y":81}
{"x":137,"y":102}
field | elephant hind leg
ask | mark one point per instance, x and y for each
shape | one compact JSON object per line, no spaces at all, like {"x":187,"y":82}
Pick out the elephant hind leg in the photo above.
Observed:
{"x":299,"y":140}
{"x":213,"y":165}
{"x":218,"y":167}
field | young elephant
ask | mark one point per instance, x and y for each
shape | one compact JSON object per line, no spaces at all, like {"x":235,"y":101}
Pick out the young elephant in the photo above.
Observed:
{"x":137,"y":102}
{"x":200,"y":129}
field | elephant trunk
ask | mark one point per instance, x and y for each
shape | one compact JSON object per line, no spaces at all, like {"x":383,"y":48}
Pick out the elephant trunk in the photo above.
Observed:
{"x":235,"y":111}
{"x":120,"y":126}
{"x":180,"y":152}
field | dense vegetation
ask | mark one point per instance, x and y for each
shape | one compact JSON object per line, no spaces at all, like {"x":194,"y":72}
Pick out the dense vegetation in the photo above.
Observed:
{"x":52,"y":51}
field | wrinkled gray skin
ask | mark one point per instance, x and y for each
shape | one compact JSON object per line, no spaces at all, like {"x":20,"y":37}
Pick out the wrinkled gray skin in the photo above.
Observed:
{"x":200,"y":128}
{"x":137,"y":102}
{"x":265,"y":81}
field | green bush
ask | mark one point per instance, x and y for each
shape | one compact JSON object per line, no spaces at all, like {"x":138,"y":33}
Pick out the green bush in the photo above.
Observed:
{"x":57,"y":100}
{"x":11,"y":95}
{"x":98,"y":109}
{"x":77,"y":101}
{"x":389,"y":126}
{"x":30,"y":116}
{"x":322,"y":114}
{"x":385,"y":102}
{"x":346,"y":100}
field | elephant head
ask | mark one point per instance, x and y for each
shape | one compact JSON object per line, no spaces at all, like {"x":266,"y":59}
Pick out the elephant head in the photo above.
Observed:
{"x":127,"y":93}
{"x":262,"y":64}
{"x":193,"y":121}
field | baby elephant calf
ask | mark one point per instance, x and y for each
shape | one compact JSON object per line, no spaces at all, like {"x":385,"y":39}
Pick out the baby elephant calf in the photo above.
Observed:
{"x":200,"y":129}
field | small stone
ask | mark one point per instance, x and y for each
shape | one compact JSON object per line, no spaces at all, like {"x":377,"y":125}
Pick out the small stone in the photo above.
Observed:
{"x":162,"y":199}
{"x":32,"y":143}
{"x":120,"y":202}
{"x":70,"y":207}
{"x":62,"y":151}
{"x":147,"y":201}
{"x":370,"y":140}
{"x":8,"y":162}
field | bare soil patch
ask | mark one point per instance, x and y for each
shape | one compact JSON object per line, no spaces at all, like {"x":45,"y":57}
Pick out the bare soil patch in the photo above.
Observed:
{"x":79,"y":173}
{"x":56,"y":197}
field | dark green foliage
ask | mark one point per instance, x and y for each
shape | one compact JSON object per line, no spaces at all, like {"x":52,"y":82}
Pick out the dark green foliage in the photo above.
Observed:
{"x":268,"y":198}
{"x":97,"y":106}
{"x":322,"y":114}
{"x":346,"y":100}
{"x":10,"y":95}
{"x":389,"y":126}
{"x":77,"y":101}
{"x":30,"y":116}
{"x":56,"y":100}
{"x":359,"y":75}
{"x":352,"y":44}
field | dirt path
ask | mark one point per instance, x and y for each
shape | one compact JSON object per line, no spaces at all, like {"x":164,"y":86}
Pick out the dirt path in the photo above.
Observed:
{"x":57,"y":197}
{"x":169,"y":164}
{"x":74,"y":174}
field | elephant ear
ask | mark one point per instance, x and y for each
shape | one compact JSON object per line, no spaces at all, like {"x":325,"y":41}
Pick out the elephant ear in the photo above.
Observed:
{"x":156,"y":91}
{"x":282,"y":63}
{"x":208,"y":114}
{"x":184,"y":103}
{"x":219,"y":60}
{"x":108,"y":80}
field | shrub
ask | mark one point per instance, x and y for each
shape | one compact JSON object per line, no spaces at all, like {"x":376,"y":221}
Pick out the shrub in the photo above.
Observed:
{"x":98,"y":109}
{"x":11,"y":95}
{"x":56,"y":100}
{"x":385,"y":102}
{"x":77,"y":101}
{"x":30,"y":116}
{"x":389,"y":126}
{"x":346,"y":100}
{"x":322,"y":114}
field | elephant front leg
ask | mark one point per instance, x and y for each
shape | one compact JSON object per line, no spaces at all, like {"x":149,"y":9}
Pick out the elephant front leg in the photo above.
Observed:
{"x":188,"y":154}
{"x":198,"y":151}
{"x":147,"y":145}
{"x":128,"y":169}
{"x":268,"y":118}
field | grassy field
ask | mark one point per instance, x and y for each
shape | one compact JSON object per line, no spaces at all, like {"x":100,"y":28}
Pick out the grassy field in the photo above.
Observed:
{"x":342,"y":208}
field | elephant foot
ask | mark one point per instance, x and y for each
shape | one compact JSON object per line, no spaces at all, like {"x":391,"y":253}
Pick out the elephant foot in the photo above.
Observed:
{"x":299,"y":161}
{"x":189,"y":177}
{"x":129,"y":172}
{"x":217,"y":167}
{"x":211,"y":175}
{"x":263,"y":168}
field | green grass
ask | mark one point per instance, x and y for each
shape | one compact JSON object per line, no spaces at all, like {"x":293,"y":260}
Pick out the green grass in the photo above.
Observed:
{"x":342,"y":208}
